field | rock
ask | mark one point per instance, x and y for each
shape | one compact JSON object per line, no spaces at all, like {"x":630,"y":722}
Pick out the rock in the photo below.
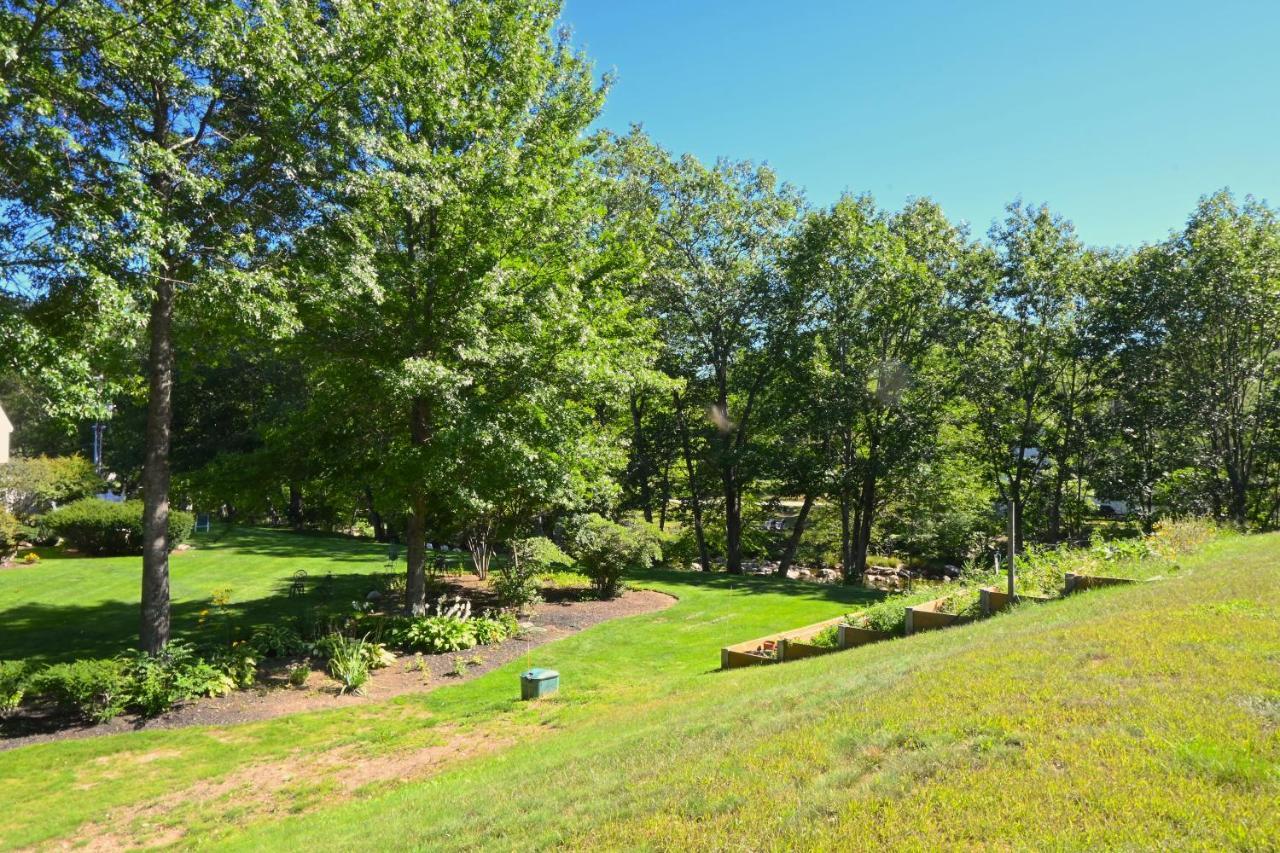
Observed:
{"x":373,"y":595}
{"x":951,"y":571}
{"x":804,"y":574}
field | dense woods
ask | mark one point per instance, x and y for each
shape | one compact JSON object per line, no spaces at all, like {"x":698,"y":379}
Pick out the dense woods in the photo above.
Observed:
{"x":371,"y":268}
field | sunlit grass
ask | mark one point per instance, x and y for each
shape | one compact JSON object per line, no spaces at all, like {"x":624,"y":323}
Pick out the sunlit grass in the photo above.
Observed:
{"x":1142,"y":716}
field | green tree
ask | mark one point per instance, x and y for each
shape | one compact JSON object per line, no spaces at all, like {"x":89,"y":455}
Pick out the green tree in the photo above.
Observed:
{"x":466,"y":323}
{"x":724,"y":311}
{"x":889,"y":292}
{"x":1211,"y":316}
{"x":164,"y":152}
{"x":1017,"y":365}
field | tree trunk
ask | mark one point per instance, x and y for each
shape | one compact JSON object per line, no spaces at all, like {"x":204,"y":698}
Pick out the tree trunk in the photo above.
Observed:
{"x":416,"y":554}
{"x":481,"y":552}
{"x":866,"y":516}
{"x":375,"y":517}
{"x":695,"y":499}
{"x":732,"y":522}
{"x":797,"y":533}
{"x":846,"y":538}
{"x":666,"y":495}
{"x":416,"y":526}
{"x":154,"y":631}
{"x":295,"y":505}
{"x":640,"y":464}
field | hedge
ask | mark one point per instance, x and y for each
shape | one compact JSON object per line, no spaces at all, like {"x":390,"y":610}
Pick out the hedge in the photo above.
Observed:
{"x":101,"y":528}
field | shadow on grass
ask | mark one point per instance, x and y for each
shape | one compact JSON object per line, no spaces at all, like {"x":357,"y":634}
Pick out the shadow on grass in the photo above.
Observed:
{"x":290,"y":543}
{"x":310,"y":544}
{"x":46,"y":633}
{"x":762,"y":584}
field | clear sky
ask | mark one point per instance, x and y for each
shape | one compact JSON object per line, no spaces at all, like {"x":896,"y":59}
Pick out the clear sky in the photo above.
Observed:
{"x":1118,"y":114}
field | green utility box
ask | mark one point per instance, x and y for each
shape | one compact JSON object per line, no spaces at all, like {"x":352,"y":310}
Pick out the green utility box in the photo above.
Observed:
{"x":538,"y":682}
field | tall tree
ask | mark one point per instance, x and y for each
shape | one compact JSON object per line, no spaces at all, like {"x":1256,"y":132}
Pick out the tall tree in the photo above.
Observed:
{"x":889,"y":291}
{"x":1018,"y":364}
{"x":162,"y":153}
{"x":724,"y":311}
{"x":1210,"y":308}
{"x":464,"y":279}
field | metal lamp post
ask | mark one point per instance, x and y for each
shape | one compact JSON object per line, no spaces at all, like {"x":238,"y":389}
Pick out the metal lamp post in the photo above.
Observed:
{"x":1013,"y":547}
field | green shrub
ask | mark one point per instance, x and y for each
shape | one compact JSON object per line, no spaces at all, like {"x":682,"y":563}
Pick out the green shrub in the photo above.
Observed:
{"x":158,"y":682}
{"x":966,"y":601}
{"x":516,"y":583}
{"x":102,"y":528}
{"x":277,"y":641}
{"x":681,"y":550}
{"x":10,"y":532}
{"x":889,"y":614}
{"x":488,"y":630}
{"x":607,"y":550}
{"x":375,"y":654}
{"x":96,"y":689}
{"x":1173,"y":537}
{"x":348,"y":663}
{"x":827,"y":638}
{"x":298,"y":673}
{"x":239,"y":662}
{"x":14,"y":677}
{"x":435,"y":634}
{"x":36,"y":484}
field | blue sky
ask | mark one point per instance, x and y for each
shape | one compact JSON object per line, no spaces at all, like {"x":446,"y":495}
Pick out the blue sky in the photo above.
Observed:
{"x":1118,"y":115}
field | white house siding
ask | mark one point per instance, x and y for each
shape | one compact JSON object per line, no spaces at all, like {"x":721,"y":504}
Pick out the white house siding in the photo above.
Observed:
{"x":5,"y":429}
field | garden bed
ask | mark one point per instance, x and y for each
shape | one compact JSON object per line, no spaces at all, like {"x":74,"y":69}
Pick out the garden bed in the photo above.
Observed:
{"x":851,"y":636}
{"x":272,"y":696}
{"x":775,"y":648}
{"x":935,"y":614}
{"x":1076,"y":583}
{"x":994,"y":599}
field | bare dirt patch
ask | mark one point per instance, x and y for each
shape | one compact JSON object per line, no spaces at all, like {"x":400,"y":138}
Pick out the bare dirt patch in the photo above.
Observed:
{"x":564,"y":613}
{"x":341,"y":771}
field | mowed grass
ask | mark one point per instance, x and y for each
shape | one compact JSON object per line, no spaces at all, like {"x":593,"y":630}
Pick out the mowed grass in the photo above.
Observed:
{"x":1136,"y":717}
{"x":68,"y":607}
{"x":203,"y":785}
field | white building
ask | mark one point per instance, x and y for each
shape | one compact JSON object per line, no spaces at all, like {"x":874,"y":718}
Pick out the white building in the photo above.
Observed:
{"x":5,"y":429}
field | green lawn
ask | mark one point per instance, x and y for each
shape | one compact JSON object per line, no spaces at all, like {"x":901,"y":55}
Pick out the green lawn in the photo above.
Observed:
{"x":1140,"y":717}
{"x":55,"y":791}
{"x":1144,"y":716}
{"x":68,"y":607}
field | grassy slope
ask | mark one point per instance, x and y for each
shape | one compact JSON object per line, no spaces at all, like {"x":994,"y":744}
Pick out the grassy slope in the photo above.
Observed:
{"x":1137,"y":717}
{"x":52,"y":791}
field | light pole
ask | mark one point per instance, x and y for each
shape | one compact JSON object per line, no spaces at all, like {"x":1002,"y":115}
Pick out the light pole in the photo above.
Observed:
{"x":1013,"y":547}
{"x":98,"y":428}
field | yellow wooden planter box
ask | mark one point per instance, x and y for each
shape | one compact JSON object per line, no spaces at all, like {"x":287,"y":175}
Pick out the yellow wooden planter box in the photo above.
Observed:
{"x":926,"y":617}
{"x":993,"y":599}
{"x":852,"y":637}
{"x":789,"y":645}
{"x":1076,"y":583}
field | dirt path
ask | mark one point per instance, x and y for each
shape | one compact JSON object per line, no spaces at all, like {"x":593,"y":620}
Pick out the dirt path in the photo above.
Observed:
{"x":273,"y":697}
